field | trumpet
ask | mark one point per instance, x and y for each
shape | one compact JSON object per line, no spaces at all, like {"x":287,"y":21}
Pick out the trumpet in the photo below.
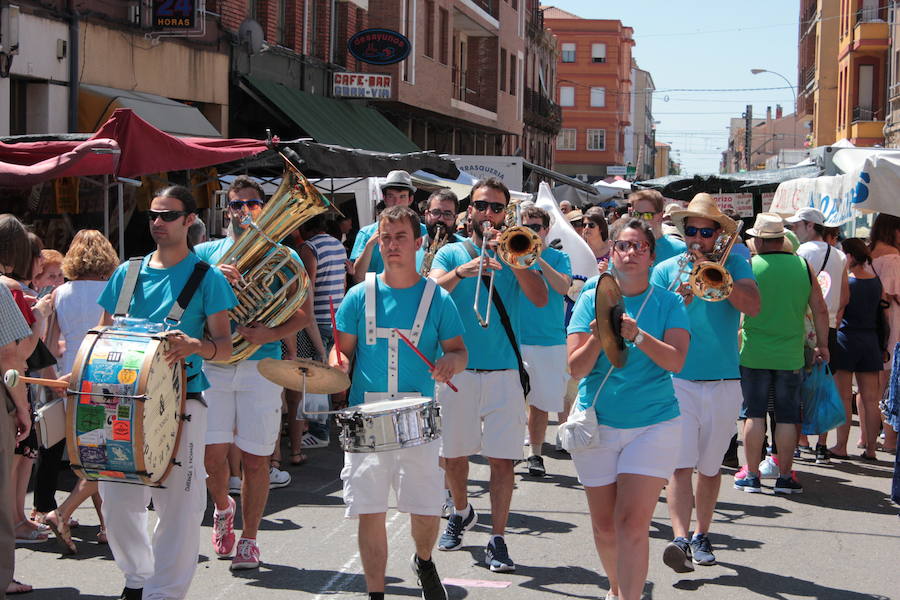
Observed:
{"x":709,"y":279}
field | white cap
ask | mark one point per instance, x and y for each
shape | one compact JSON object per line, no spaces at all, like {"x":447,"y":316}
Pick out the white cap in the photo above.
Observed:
{"x":808,"y":214}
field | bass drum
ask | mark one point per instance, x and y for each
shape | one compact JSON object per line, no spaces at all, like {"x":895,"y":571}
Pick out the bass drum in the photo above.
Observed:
{"x":124,"y":408}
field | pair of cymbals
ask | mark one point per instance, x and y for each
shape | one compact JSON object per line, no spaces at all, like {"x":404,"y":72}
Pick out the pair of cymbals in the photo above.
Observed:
{"x":304,"y":374}
{"x":608,"y":310}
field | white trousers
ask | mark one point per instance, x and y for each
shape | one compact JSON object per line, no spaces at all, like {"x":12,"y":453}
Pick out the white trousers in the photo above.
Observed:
{"x":164,"y":566}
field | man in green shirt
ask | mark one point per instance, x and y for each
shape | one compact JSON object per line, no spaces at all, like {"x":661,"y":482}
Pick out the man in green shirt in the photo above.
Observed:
{"x":772,"y":355}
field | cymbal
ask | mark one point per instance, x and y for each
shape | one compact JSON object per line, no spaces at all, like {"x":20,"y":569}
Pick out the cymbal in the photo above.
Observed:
{"x":608,"y":311}
{"x":320,"y":378}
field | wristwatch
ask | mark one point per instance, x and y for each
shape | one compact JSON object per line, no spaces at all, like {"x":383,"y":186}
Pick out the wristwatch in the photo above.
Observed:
{"x":639,"y":338}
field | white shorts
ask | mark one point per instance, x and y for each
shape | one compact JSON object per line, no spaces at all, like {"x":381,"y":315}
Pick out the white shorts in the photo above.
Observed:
{"x":244,"y":407}
{"x":413,"y":473}
{"x":486,"y":416}
{"x":709,"y":410}
{"x":650,"y":451}
{"x":571,"y":390}
{"x":547,"y":370}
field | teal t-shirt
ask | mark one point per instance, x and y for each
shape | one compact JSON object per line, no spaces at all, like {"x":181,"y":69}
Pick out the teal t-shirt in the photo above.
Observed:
{"x":641,"y":393}
{"x":376,"y":265}
{"x":667,"y":247}
{"x":545,"y":326}
{"x":155,"y":294}
{"x":212,"y":252}
{"x":396,"y":308}
{"x":713,"y":352}
{"x":489,"y":347}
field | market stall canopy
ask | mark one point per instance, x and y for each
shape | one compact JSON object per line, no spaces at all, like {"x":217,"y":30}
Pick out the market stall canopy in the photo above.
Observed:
{"x":681,"y":187}
{"x":461,"y":186}
{"x":142,"y":149}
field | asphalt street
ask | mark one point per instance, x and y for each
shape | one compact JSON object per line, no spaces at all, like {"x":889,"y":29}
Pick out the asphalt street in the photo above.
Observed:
{"x":838,"y":540}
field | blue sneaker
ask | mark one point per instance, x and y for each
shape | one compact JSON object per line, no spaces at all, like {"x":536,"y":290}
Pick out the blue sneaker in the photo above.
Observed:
{"x":452,"y":537}
{"x":497,"y":556}
{"x":701,"y":550}
{"x":787,"y":485}
{"x":750,"y":483}
{"x":677,"y":555}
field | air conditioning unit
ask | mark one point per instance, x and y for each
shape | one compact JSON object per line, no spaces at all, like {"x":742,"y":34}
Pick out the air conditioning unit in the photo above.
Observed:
{"x":9,"y":30}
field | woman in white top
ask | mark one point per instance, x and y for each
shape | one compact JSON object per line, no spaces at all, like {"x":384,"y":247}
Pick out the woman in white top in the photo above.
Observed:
{"x":89,"y":262}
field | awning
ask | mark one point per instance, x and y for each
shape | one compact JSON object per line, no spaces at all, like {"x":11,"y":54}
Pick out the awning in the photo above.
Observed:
{"x":96,"y":104}
{"x":332,"y":121}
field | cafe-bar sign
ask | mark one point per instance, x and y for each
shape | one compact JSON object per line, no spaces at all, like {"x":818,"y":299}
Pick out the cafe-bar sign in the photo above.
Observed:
{"x":362,"y":85}
{"x":174,"y":14}
{"x":379,"y":46}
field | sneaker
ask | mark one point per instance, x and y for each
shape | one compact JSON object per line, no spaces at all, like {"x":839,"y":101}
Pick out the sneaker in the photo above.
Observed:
{"x":247,"y":555}
{"x":677,"y":555}
{"x":823,"y":456}
{"x":750,"y":483}
{"x":768,"y":469}
{"x":234,"y":486}
{"x":278,"y":478}
{"x":788,"y":485}
{"x":536,"y":466}
{"x":223,"y":530}
{"x":807,"y":449}
{"x":797,"y":453}
{"x":701,"y":550}
{"x":452,"y":537}
{"x":312,"y":441}
{"x":741,"y":473}
{"x":429,"y":580}
{"x":132,"y":593}
{"x":496,"y":556}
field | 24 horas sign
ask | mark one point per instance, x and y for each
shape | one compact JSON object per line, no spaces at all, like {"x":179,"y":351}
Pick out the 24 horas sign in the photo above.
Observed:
{"x":174,"y":14}
{"x":379,"y":46}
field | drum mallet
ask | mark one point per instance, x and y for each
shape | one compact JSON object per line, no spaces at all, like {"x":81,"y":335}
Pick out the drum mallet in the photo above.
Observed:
{"x":12,"y":379}
{"x":422,"y":356}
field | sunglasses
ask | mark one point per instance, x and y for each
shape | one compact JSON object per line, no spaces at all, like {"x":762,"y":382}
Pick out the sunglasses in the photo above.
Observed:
{"x":623,"y":246}
{"x":239,"y":204}
{"x":591,"y":225}
{"x":644,"y":216}
{"x":438,"y":213}
{"x":705,"y":232}
{"x":577,"y":224}
{"x":482,"y":206}
{"x":166,"y":215}
{"x":535,"y":227}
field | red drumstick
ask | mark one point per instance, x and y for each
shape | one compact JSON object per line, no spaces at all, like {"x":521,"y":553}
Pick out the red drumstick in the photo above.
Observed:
{"x":334,"y":334}
{"x":422,"y":356}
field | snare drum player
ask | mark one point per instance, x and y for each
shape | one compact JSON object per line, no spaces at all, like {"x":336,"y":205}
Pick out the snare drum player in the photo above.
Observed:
{"x":488,"y":413}
{"x":164,"y":567}
{"x":385,"y":367}
{"x":708,"y":388}
{"x":244,"y":407}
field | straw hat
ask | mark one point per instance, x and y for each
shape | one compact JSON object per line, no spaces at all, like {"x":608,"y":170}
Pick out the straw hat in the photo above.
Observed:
{"x":704,"y":207}
{"x":398,"y":179}
{"x":574,"y":215}
{"x":767,"y":226}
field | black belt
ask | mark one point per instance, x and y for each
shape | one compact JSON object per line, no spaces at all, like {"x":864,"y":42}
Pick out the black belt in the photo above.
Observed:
{"x":713,"y":380}
{"x":487,"y":370}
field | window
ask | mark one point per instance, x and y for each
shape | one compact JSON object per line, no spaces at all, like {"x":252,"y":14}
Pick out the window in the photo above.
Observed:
{"x":281,"y":24}
{"x":512,"y":74}
{"x":429,"y":28}
{"x":502,"y":69}
{"x":598,"y":53}
{"x":408,"y":67}
{"x":566,"y":139}
{"x":568,"y":53}
{"x":567,"y":96}
{"x":598,"y":96}
{"x":445,"y":35}
{"x":596,"y":139}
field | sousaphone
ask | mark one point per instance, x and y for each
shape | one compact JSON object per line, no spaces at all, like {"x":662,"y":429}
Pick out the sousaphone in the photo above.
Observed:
{"x":608,"y":311}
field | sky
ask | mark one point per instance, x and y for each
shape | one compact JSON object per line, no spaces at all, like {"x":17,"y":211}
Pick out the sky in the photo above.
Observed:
{"x":708,"y":48}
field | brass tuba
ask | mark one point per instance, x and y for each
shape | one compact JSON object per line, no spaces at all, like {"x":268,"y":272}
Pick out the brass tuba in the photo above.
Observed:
{"x":709,"y":279}
{"x":274,"y":284}
{"x":518,"y":246}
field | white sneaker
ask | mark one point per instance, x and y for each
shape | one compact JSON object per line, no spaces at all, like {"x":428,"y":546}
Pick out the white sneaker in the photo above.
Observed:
{"x":234,"y":486}
{"x":278,"y":478}
{"x":311,"y":441}
{"x":768,"y":469}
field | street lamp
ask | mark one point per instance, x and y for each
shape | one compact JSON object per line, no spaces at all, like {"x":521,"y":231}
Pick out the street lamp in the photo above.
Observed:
{"x":793,"y":91}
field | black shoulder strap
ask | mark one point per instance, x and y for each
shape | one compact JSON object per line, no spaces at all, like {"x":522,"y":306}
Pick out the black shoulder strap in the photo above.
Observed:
{"x":827,"y":254}
{"x":190,"y":288}
{"x":524,"y":379}
{"x":123,"y":303}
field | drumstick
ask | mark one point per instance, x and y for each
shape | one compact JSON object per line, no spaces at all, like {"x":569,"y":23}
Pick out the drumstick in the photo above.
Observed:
{"x":12,"y":378}
{"x":334,"y":333}
{"x":422,"y":356}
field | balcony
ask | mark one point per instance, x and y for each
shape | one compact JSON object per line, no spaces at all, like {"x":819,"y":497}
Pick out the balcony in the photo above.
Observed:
{"x":861,"y":113}
{"x":462,"y":92}
{"x":866,"y":125}
{"x":541,"y":111}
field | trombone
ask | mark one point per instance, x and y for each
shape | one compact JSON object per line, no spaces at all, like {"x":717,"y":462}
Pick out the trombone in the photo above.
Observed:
{"x":483,"y":320}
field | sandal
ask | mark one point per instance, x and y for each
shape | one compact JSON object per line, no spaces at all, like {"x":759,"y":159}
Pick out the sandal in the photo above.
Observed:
{"x":298,"y":458}
{"x":34,"y":536}
{"x":17,"y":587}
{"x":62,"y":533}
{"x":101,"y":535}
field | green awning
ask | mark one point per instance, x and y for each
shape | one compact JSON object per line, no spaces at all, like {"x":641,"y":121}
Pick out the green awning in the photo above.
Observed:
{"x":333,"y":121}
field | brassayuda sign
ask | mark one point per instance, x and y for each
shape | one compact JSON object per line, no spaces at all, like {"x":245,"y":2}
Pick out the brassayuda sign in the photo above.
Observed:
{"x":379,"y":46}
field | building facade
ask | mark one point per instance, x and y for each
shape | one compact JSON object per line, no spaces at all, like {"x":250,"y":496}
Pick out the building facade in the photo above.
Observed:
{"x":643,"y":127}
{"x":817,"y":69}
{"x":769,"y":145}
{"x":892,"y":125}
{"x":594,"y":84}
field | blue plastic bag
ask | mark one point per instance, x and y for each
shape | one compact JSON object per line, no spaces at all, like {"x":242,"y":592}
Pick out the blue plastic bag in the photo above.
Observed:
{"x":823,"y":409}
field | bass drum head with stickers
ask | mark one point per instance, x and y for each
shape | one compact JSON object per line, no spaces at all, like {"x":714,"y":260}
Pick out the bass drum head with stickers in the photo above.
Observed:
{"x":123,"y":417}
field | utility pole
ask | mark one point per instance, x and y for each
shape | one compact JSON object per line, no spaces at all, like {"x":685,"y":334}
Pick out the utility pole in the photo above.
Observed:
{"x":748,"y":135}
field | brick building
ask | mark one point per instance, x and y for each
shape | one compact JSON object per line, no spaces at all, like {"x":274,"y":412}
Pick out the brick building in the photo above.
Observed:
{"x":594,"y":86}
{"x":817,"y":69}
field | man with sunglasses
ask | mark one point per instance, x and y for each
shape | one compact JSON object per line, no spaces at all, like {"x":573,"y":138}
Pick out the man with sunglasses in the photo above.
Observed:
{"x":488,"y":413}
{"x":244,"y":406}
{"x":397,"y":190}
{"x":647,"y":205}
{"x":708,"y":387}
{"x":544,"y":339}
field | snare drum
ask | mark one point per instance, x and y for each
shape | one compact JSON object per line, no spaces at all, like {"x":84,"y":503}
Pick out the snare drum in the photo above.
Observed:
{"x":389,"y":424}
{"x":124,"y":407}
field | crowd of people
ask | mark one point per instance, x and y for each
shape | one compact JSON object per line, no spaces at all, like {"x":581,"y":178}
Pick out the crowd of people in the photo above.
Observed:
{"x":647,"y":392}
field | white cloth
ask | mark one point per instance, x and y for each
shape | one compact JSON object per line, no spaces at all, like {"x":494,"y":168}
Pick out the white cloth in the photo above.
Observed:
{"x":413,"y":473}
{"x":830,"y":277}
{"x":77,"y":312}
{"x":486,"y":416}
{"x":164,"y":566}
{"x":244,"y":407}
{"x":546,"y":367}
{"x":709,"y":410}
